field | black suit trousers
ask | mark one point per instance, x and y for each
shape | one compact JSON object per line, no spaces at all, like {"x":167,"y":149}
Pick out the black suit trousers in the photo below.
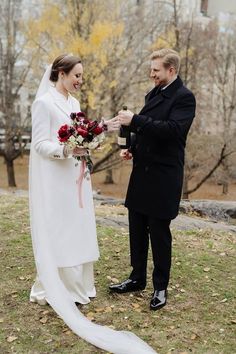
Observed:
{"x":141,"y":228}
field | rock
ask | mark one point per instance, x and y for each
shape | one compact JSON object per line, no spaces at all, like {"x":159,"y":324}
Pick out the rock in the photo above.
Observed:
{"x":213,"y":209}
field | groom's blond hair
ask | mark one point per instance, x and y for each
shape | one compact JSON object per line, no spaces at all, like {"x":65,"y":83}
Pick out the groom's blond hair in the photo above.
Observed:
{"x":170,"y":58}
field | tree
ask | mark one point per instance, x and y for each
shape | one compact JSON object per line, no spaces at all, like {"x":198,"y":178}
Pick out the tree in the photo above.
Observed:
{"x":14,"y":68}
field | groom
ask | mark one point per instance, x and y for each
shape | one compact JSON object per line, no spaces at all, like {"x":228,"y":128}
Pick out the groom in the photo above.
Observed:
{"x":155,"y":184}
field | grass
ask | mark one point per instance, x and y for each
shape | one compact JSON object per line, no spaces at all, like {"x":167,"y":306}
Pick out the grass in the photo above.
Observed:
{"x":200,"y":316}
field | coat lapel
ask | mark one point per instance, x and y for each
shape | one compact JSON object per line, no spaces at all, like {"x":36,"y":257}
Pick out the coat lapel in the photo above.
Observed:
{"x":150,"y":103}
{"x":60,"y":102}
{"x":153,"y":99}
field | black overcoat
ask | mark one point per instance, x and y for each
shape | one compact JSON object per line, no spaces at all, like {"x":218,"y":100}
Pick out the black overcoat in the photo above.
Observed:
{"x":161,"y":130}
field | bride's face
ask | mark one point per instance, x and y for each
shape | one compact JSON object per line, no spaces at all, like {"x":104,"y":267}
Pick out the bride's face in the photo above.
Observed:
{"x":73,"y":80}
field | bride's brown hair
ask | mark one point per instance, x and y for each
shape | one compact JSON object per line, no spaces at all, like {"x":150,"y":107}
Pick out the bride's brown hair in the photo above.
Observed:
{"x":65,"y":63}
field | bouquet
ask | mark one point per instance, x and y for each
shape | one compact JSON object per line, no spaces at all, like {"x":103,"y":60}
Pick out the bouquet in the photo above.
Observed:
{"x":82,"y":133}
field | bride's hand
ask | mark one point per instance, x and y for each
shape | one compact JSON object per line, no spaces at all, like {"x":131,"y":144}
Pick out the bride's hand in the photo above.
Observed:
{"x":79,"y":151}
{"x":112,"y":124}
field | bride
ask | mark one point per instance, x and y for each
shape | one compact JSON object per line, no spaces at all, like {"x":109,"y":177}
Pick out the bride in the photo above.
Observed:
{"x":64,"y":233}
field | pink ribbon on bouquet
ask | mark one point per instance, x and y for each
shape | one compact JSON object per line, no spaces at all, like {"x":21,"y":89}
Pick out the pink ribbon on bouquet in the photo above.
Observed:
{"x":80,"y":181}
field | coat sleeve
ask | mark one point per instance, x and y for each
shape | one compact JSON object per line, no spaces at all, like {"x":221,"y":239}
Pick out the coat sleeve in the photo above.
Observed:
{"x":177,"y":125}
{"x":41,"y":127}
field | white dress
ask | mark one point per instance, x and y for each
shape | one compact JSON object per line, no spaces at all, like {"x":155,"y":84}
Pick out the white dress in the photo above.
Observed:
{"x":63,"y":234}
{"x":54,"y":194}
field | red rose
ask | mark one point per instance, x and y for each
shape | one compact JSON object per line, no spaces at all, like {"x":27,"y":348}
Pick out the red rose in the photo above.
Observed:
{"x":97,"y":130}
{"x":80,"y":114}
{"x":85,"y":121}
{"x":82,"y":132}
{"x":64,"y":133}
{"x":92,"y":124}
{"x":73,"y":116}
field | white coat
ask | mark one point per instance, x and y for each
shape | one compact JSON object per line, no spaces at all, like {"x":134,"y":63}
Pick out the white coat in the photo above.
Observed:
{"x":54,"y":202}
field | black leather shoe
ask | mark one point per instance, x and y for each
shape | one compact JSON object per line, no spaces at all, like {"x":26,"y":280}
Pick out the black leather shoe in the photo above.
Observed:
{"x":127,"y":286}
{"x":158,"y":300}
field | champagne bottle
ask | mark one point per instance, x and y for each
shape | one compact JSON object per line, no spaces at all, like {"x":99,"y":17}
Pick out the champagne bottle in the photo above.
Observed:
{"x":124,"y":139}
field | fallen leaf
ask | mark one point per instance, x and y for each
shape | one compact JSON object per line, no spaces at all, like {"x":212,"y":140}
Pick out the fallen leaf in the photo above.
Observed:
{"x":45,"y":312}
{"x":206,"y":269}
{"x":43,"y":320}
{"x":108,"y":309}
{"x":11,"y":339}
{"x":224,"y":300}
{"x":193,"y":336}
{"x":121,"y":309}
{"x":145,"y":325}
{"x":1,"y":320}
{"x":22,"y":278}
{"x":114,"y":280}
{"x":136,"y":306}
{"x":90,"y":316}
{"x":100,"y":309}
{"x":140,"y":298}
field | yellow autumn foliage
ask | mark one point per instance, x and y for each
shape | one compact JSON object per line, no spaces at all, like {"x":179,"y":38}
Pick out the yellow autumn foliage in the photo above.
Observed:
{"x":95,"y":40}
{"x":165,"y":40}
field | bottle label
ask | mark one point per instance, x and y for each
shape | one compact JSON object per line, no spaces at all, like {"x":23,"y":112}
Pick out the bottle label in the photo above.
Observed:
{"x":121,"y":140}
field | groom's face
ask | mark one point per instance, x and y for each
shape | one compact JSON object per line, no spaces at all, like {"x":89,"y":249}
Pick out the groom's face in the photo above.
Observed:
{"x":159,"y":74}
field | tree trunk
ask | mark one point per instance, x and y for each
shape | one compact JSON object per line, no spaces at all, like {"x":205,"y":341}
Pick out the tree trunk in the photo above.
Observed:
{"x":10,"y":173}
{"x":225,"y":188}
{"x":109,"y":177}
{"x":185,"y":193}
{"x":225,"y":183}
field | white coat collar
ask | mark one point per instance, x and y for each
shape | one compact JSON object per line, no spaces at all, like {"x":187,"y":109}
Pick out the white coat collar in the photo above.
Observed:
{"x":65,"y":105}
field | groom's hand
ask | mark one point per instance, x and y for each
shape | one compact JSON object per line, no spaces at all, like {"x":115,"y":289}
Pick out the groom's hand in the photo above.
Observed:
{"x":125,"y":154}
{"x":125,"y":117}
